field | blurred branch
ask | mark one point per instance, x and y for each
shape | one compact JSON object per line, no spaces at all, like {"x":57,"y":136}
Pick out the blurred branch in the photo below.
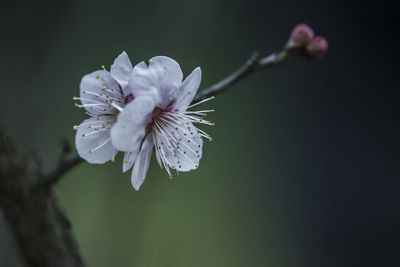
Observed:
{"x":41,"y":230}
{"x":66,"y":163}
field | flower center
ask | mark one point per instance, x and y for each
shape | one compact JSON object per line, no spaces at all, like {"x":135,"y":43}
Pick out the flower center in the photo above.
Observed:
{"x":156,"y":113}
{"x":129,"y":98}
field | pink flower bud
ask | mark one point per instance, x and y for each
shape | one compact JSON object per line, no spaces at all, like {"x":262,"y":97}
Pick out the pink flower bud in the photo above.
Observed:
{"x":317,"y":48}
{"x":301,"y":35}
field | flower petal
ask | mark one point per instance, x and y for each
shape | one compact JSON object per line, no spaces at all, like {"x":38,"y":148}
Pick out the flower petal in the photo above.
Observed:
{"x":178,"y":145}
{"x":142,"y":164}
{"x":96,"y":91}
{"x":121,"y":69}
{"x":169,"y":76}
{"x":130,"y":129}
{"x":161,"y":80}
{"x":168,"y":70}
{"x":189,"y":152}
{"x":129,"y":160}
{"x":93,"y":142}
{"x":143,"y":82}
{"x":188,"y":89}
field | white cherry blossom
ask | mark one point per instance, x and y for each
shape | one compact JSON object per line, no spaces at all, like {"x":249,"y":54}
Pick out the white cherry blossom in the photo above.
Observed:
{"x":157,"y":119}
{"x":103,"y":95}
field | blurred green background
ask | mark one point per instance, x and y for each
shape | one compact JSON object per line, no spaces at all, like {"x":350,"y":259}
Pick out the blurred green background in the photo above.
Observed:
{"x":303,"y":169}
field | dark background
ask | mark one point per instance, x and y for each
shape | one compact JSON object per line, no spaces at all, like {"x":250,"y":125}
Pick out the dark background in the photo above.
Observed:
{"x":304,"y":169}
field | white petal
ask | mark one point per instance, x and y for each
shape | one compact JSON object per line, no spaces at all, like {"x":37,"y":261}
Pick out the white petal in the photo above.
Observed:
{"x":188,"y":89}
{"x":143,"y":82}
{"x":142,"y":164}
{"x":168,"y":70}
{"x":93,"y":93}
{"x":95,"y":145}
{"x":129,"y":160}
{"x":179,"y":146}
{"x":161,"y":80}
{"x":169,"y":76}
{"x":127,"y":134}
{"x":188,"y":156}
{"x":121,"y":69}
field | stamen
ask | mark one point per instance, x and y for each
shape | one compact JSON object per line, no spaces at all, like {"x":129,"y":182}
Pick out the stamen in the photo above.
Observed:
{"x":201,"y":102}
{"x":96,"y":131}
{"x":120,"y":109}
{"x":100,"y":146}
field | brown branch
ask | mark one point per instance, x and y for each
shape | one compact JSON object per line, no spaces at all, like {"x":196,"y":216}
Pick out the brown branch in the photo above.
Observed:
{"x":253,"y":64}
{"x":55,"y":172}
{"x":40,"y":229}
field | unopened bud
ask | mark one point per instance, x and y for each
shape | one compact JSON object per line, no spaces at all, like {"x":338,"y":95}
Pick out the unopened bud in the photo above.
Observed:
{"x":301,"y":35}
{"x":317,"y":48}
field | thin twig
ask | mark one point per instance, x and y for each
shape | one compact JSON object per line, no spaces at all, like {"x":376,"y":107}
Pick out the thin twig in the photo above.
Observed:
{"x":252,"y":65}
{"x":66,"y":163}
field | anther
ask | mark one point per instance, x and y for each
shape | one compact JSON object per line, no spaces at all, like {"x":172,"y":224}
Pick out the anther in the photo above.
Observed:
{"x":97,"y":76}
{"x":102,"y":66}
{"x":112,"y":159}
{"x":75,"y":127}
